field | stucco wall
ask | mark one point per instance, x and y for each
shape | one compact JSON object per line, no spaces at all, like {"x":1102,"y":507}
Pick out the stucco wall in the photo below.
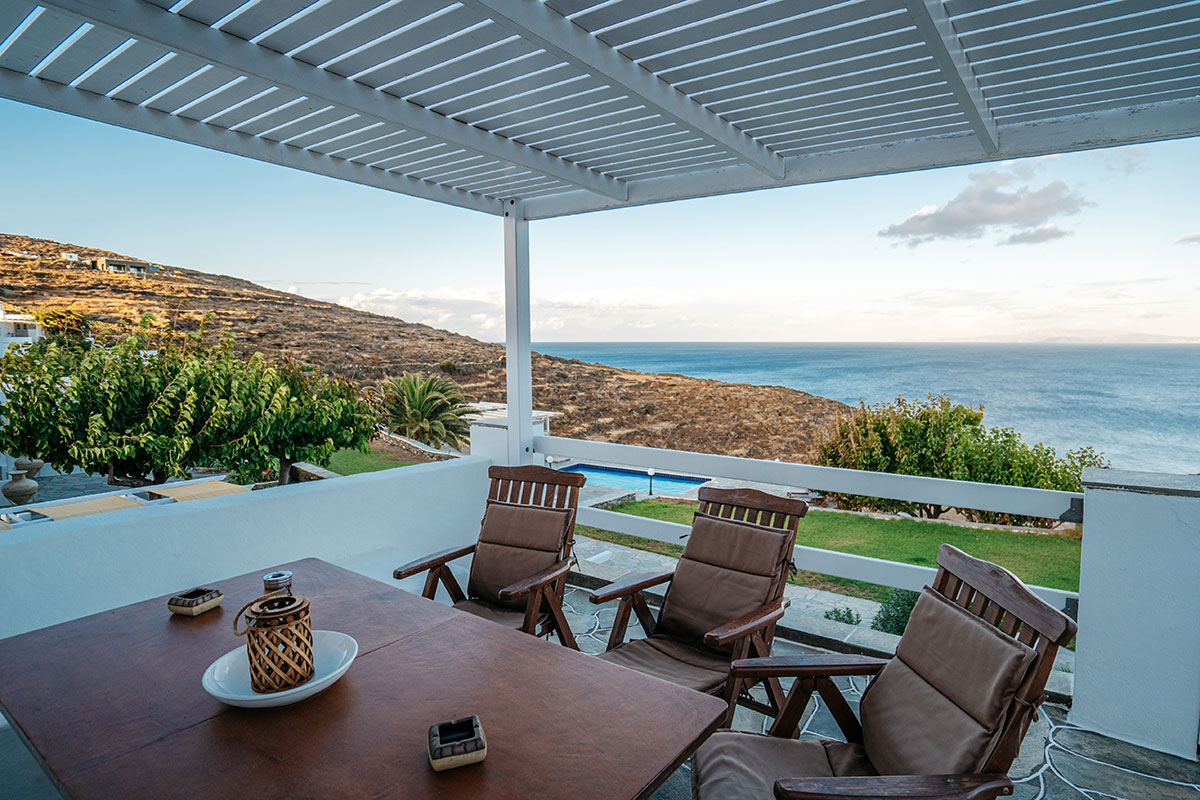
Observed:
{"x":1137,"y":666}
{"x":371,"y":523}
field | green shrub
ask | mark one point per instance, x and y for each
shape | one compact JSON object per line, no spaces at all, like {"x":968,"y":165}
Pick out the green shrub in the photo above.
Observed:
{"x":941,"y":439}
{"x":894,"y":613}
{"x":846,"y":615}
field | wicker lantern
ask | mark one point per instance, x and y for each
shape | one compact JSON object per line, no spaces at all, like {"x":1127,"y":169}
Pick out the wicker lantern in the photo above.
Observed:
{"x":278,"y":633}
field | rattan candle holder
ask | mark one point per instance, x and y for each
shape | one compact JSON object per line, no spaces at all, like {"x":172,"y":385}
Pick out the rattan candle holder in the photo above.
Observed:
{"x":279,"y":641}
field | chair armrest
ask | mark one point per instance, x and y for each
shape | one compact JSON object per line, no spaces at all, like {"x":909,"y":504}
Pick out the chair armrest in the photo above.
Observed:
{"x":527,"y":585}
{"x":807,"y":666}
{"x":914,"y":787}
{"x":747,"y":624}
{"x":429,"y":562}
{"x":630,"y":584}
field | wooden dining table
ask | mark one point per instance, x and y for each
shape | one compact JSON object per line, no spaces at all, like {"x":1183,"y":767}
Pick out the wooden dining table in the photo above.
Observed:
{"x":112,"y":706}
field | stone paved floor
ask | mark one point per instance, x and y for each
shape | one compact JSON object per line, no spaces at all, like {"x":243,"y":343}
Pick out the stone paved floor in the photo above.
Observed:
{"x":60,"y":487}
{"x":1058,"y":761}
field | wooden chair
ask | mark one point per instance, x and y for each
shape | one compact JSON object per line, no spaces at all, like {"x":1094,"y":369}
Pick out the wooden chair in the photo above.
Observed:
{"x":943,"y":719}
{"x":521,"y":560}
{"x":723,"y":602}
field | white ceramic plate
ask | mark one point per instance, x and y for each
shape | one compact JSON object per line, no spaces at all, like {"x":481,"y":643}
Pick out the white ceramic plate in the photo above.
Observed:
{"x":228,"y":678}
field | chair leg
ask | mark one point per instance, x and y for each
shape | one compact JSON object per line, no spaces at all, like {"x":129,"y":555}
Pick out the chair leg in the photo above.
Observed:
{"x":776,"y":697}
{"x":643,"y":614}
{"x":431,"y":582}
{"x":733,"y":686}
{"x":559,"y":619}
{"x":451,"y":584}
{"x":620,"y":623}
{"x":787,"y":724}
{"x":843,"y":715}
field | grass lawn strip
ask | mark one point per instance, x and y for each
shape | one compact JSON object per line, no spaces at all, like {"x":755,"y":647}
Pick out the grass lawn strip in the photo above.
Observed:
{"x":1041,"y":559}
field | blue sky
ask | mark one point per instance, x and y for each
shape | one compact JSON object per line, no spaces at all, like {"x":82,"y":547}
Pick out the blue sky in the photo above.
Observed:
{"x":1098,"y":246}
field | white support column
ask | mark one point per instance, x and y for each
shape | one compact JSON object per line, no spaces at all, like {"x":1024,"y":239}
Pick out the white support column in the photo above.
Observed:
{"x":1137,"y":666}
{"x":518,"y":365}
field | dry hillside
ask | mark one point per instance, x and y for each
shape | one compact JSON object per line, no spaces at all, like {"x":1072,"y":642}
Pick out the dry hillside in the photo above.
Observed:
{"x":598,"y":402}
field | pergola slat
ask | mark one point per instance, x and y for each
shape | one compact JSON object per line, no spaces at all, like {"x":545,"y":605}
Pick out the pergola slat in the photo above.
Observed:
{"x":582,"y":105}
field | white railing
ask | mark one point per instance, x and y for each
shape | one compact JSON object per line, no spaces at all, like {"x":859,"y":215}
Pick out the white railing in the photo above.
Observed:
{"x":962,"y":494}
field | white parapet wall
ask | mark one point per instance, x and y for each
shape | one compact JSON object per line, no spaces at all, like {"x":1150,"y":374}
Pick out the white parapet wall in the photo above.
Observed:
{"x":372,"y":523}
{"x":1137,"y":665}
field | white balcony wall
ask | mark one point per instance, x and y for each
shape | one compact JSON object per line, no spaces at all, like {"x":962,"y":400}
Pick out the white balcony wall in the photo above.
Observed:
{"x":1137,"y":668}
{"x":372,"y":523}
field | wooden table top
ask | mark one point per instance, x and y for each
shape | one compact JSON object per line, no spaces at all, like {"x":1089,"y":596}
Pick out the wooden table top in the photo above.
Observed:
{"x":113,"y":705}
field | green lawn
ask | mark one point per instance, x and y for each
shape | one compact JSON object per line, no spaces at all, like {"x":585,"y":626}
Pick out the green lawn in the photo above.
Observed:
{"x":1040,"y":559}
{"x":352,"y":462}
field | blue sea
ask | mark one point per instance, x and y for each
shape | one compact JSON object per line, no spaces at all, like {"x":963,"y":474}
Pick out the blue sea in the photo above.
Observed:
{"x":1138,"y":404}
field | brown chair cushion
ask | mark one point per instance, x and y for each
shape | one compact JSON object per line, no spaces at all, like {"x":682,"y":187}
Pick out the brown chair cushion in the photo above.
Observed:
{"x":507,"y":617}
{"x":733,"y":765}
{"x":728,"y":569}
{"x":515,"y":542}
{"x":937,"y":708}
{"x":672,"y":660}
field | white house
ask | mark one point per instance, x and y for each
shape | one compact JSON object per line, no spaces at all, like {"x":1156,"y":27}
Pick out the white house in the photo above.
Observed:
{"x":121,"y":265}
{"x":72,"y":257}
{"x":18,"y":329}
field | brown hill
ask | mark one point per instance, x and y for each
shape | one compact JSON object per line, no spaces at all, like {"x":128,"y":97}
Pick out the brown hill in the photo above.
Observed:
{"x":598,"y":402}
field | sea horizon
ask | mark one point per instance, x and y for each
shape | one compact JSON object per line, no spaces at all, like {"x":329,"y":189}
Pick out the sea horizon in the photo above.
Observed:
{"x":1138,"y":403}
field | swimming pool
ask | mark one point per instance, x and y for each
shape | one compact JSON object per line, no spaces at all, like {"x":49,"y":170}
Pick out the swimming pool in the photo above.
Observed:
{"x":636,"y":479}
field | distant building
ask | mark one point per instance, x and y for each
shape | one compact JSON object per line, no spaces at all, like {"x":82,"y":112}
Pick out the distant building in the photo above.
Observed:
{"x":72,"y":257}
{"x":18,"y":329}
{"x":125,"y":265}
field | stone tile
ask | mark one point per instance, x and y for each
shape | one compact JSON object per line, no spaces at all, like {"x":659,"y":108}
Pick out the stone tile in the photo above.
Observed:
{"x":580,"y":623}
{"x":1114,"y":782}
{"x":1033,"y":750}
{"x":20,"y":776}
{"x":1127,"y":756}
{"x":676,"y":787}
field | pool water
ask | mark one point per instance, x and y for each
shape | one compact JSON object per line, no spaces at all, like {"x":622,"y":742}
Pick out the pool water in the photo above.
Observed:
{"x":635,"y":479}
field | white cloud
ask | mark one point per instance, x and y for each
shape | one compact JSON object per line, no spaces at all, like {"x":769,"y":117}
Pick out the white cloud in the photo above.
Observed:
{"x":480,"y":313}
{"x":1191,"y":238}
{"x":985,"y":206}
{"x":1046,"y":233}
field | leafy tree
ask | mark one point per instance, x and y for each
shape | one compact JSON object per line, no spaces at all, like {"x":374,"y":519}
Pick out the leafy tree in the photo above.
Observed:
{"x":154,"y":404}
{"x":33,"y":381}
{"x":941,"y":439}
{"x":431,"y":410}
{"x":312,"y":416}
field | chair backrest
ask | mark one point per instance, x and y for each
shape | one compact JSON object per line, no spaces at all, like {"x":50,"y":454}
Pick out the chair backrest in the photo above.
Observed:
{"x":527,"y":527}
{"x":1003,"y":601}
{"x":968,"y":674}
{"x":736,"y":560}
{"x":535,"y":486}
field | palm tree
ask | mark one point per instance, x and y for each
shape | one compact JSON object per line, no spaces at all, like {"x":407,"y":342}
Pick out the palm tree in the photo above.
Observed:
{"x":431,"y":409}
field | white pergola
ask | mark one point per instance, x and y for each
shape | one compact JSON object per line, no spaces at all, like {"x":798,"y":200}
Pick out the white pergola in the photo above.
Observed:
{"x":533,"y":109}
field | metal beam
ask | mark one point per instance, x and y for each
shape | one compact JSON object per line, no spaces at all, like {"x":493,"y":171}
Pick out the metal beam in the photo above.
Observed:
{"x":518,"y":369}
{"x":147,"y":22}
{"x":1133,"y":125}
{"x":56,"y":97}
{"x":535,"y":22}
{"x":936,"y":27}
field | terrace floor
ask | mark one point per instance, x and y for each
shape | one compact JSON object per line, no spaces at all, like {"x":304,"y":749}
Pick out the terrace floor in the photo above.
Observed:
{"x":1058,"y":761}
